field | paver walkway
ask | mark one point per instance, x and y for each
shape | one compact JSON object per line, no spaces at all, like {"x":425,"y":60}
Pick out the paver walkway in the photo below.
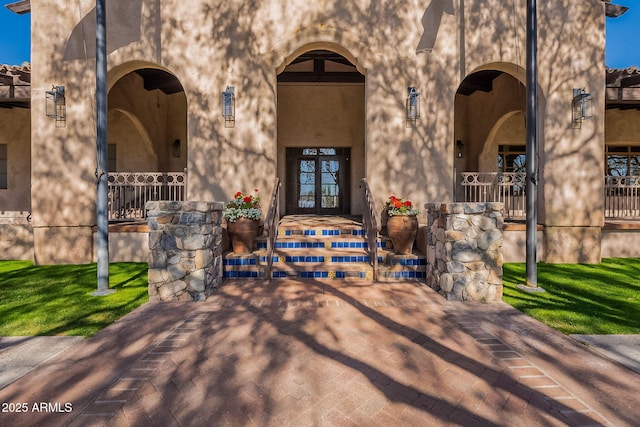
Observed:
{"x":313,"y":353}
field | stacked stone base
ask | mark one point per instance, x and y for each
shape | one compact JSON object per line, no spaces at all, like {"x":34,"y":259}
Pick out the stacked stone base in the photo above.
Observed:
{"x":464,"y":258}
{"x":185,"y":242}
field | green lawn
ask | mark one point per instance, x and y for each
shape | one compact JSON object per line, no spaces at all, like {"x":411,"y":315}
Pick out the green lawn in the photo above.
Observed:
{"x":57,"y":300}
{"x":581,"y":299}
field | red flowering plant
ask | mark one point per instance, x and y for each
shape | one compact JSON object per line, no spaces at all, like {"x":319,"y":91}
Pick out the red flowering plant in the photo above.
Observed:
{"x":400,"y":206}
{"x":243,"y":206}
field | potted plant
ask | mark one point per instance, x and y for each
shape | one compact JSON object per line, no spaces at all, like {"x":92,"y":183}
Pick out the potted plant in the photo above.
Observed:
{"x":243,"y":215}
{"x":402,"y":225}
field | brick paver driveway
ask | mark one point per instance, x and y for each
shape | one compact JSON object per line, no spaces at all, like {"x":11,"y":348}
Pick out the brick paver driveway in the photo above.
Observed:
{"x":314,"y":353}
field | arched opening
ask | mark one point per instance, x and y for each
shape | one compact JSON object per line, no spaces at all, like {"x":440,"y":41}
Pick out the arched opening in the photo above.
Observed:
{"x":147,"y":139}
{"x":151,"y":102}
{"x":490,"y":138}
{"x":321,"y":133}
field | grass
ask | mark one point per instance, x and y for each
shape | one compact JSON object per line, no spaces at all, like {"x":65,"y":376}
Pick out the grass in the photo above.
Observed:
{"x":581,"y":299}
{"x":57,"y":300}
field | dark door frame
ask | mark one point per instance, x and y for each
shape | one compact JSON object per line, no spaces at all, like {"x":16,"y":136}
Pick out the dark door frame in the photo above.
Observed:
{"x":318,"y":154}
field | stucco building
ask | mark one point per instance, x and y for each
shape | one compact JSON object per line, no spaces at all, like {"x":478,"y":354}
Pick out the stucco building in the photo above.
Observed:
{"x":321,"y":86}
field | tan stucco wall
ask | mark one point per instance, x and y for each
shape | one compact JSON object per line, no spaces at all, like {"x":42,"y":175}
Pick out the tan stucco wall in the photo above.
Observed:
{"x":126,"y":247}
{"x":514,"y":247}
{"x":134,"y":150}
{"x":208,"y":47}
{"x":328,"y":115}
{"x":62,"y":187}
{"x":16,"y":240}
{"x":14,"y":132}
{"x":620,"y":243}
{"x":571,"y":160}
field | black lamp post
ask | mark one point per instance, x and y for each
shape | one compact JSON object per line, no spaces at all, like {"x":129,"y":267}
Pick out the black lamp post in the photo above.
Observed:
{"x":102,"y":196}
{"x":531,"y":284}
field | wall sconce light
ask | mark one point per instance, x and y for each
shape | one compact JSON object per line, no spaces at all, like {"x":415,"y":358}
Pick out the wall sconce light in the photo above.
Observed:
{"x":581,"y":107}
{"x":460,"y":147}
{"x":56,"y":106}
{"x":413,"y":104}
{"x":175,"y":148}
{"x":229,"y":107}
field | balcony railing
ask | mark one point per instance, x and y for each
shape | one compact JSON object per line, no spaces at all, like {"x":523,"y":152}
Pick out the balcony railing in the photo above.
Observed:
{"x":621,"y":193}
{"x":130,"y":191}
{"x":504,"y":187}
{"x":622,"y":197}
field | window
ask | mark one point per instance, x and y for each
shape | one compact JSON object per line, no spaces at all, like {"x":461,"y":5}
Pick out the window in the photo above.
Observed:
{"x":512,"y":158}
{"x":3,"y":167}
{"x":623,"y":161}
{"x":111,"y":157}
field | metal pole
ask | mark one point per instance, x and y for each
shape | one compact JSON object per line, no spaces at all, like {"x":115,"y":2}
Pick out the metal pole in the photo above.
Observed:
{"x":531,"y":284}
{"x":101,"y":146}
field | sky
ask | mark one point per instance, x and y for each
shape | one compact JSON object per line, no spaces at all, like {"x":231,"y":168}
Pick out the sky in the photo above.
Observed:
{"x":622,"y":51}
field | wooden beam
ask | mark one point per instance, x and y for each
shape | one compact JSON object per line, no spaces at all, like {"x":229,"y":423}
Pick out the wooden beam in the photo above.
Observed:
{"x":20,"y":7}
{"x":614,"y":10}
{"x":336,"y":77}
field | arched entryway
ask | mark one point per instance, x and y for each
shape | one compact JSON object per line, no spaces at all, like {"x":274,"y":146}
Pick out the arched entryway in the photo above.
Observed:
{"x":321,"y":133}
{"x":147,"y":139}
{"x":490,"y":135}
{"x":147,"y":122}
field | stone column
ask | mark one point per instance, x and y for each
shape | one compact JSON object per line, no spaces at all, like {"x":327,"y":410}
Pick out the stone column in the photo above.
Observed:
{"x":186,"y":255}
{"x":464,"y":257}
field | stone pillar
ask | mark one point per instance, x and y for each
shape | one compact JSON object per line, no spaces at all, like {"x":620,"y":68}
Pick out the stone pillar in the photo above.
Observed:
{"x":464,"y":257}
{"x":186,"y":255}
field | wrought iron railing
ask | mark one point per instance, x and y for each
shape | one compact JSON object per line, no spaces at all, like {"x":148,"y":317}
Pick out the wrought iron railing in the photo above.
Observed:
{"x":271,"y":221}
{"x":504,"y":187}
{"x":130,"y":191}
{"x":622,"y":197}
{"x":370,"y":225}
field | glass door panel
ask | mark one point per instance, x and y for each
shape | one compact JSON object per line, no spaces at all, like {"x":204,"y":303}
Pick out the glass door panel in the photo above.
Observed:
{"x":317,"y":181}
{"x":330,"y":190}
{"x":306,"y":183}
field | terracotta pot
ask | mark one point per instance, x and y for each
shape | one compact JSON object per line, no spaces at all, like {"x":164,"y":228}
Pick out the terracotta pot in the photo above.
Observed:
{"x":402,"y":230}
{"x":243,"y":233}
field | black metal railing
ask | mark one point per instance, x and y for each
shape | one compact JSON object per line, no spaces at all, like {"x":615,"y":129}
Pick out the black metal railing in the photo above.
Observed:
{"x":271,"y":221}
{"x":370,"y":225}
{"x":128,"y":192}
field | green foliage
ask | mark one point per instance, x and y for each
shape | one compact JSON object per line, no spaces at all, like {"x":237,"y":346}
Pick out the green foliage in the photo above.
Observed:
{"x":400,"y":206}
{"x":243,"y":206}
{"x":57,"y":300}
{"x":581,"y":299}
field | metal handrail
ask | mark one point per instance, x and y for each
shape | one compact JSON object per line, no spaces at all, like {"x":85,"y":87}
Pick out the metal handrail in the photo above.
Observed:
{"x":370,"y":226}
{"x":271,"y":222}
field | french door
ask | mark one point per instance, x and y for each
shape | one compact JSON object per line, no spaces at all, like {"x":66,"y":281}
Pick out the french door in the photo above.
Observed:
{"x":318,"y":181}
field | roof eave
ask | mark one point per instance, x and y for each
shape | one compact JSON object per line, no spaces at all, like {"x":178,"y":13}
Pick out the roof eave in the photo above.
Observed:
{"x":614,"y":10}
{"x":20,"y":7}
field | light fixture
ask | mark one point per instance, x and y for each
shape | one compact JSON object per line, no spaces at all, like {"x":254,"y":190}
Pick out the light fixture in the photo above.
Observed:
{"x":175,"y":148}
{"x":229,"y":107}
{"x":581,"y":107}
{"x":460,"y":147}
{"x":413,"y":104}
{"x":56,"y":107}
